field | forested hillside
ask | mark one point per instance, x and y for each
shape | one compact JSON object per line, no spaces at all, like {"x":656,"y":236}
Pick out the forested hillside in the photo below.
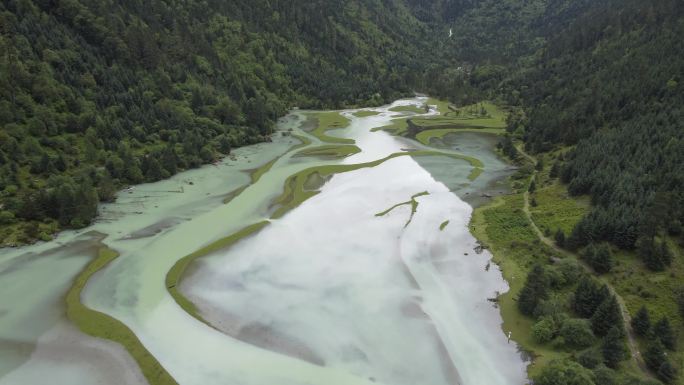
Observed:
{"x":596,"y":91}
{"x":610,"y":83}
{"x":97,"y":94}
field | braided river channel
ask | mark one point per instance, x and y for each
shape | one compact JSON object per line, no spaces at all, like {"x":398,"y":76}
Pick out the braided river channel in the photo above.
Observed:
{"x":282,"y":264}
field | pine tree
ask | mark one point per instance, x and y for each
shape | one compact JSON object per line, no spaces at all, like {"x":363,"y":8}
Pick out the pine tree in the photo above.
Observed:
{"x":588,"y":296}
{"x":655,"y":355}
{"x":560,"y":238}
{"x":641,"y":322}
{"x":602,"y":260}
{"x":535,"y":290}
{"x":666,"y":372}
{"x":663,"y":332}
{"x":607,"y":315}
{"x":613,"y":348}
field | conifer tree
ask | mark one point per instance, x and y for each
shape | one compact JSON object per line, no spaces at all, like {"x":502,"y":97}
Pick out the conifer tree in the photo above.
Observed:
{"x":607,"y":315}
{"x":535,"y":290}
{"x":560,"y":238}
{"x":588,"y":296}
{"x":613,"y":348}
{"x":663,"y":332}
{"x":641,"y":322}
{"x":655,"y":355}
{"x":667,"y":373}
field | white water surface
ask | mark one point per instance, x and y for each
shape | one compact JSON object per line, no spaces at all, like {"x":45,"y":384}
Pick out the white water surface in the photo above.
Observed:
{"x":328,"y":294}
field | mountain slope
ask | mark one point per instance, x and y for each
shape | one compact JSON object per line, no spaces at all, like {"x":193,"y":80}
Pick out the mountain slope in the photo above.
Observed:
{"x":98,"y":94}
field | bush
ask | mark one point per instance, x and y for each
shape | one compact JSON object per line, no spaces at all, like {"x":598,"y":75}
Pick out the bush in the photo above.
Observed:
{"x":6,"y":218}
{"x":590,"y":358}
{"x":543,"y":331}
{"x":604,"y":376}
{"x":564,"y":373}
{"x":577,"y":333}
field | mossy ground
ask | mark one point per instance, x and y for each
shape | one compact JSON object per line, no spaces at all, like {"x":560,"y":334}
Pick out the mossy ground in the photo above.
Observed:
{"x":409,"y":108}
{"x":426,"y":136}
{"x":329,"y":120}
{"x":365,"y":113}
{"x":556,"y":210}
{"x":330,"y":151}
{"x":101,"y":325}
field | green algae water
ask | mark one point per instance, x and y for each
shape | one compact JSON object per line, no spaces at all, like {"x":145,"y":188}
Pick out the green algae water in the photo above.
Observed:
{"x":320,"y":290}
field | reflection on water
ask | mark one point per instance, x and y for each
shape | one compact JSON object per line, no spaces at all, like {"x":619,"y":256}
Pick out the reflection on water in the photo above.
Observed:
{"x":330,"y":293}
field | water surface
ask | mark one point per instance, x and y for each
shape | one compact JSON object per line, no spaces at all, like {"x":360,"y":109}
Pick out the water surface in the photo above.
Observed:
{"x":330,"y":293}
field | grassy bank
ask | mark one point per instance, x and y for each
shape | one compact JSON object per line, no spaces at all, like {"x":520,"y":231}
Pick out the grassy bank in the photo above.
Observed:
{"x":330,"y":151}
{"x":101,"y":325}
{"x":326,"y":121}
{"x":502,"y":227}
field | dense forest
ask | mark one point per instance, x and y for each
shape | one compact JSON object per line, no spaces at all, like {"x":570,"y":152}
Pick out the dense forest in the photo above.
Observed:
{"x":621,"y":110}
{"x":95,"y":95}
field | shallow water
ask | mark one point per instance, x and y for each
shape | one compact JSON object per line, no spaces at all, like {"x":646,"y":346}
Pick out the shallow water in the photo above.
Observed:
{"x":330,"y":293}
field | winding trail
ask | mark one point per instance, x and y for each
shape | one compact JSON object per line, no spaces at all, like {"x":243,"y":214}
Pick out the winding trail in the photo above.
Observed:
{"x":635,"y":354}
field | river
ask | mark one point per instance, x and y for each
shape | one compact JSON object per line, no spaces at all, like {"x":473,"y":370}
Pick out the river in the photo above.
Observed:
{"x":372,"y":280}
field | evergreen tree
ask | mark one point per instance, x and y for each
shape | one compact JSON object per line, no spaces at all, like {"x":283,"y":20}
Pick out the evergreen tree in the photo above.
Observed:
{"x":602,"y":259}
{"x":667,"y":373}
{"x":588,"y":297}
{"x":560,"y":238}
{"x":655,"y":355}
{"x":663,"y":332}
{"x":641,"y":322}
{"x":154,"y":170}
{"x":555,"y":169}
{"x":607,"y":315}
{"x":655,"y":253}
{"x":535,"y":290}
{"x":613,"y":348}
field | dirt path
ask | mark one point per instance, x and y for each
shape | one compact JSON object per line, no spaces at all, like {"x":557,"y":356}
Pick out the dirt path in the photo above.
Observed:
{"x":631,"y":339}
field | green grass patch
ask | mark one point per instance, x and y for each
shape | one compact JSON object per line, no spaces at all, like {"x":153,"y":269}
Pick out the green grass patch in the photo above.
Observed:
{"x":330,"y":151}
{"x":101,"y":325}
{"x":396,"y":127}
{"x":365,"y":113}
{"x":409,"y":108}
{"x":443,"y":225}
{"x":326,"y":121}
{"x":557,"y":210}
{"x":412,"y":202}
{"x":475,"y":173}
{"x":304,"y":142}
{"x":426,"y":136}
{"x":257,"y":173}
{"x":174,"y":276}
{"x":441,"y":105}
